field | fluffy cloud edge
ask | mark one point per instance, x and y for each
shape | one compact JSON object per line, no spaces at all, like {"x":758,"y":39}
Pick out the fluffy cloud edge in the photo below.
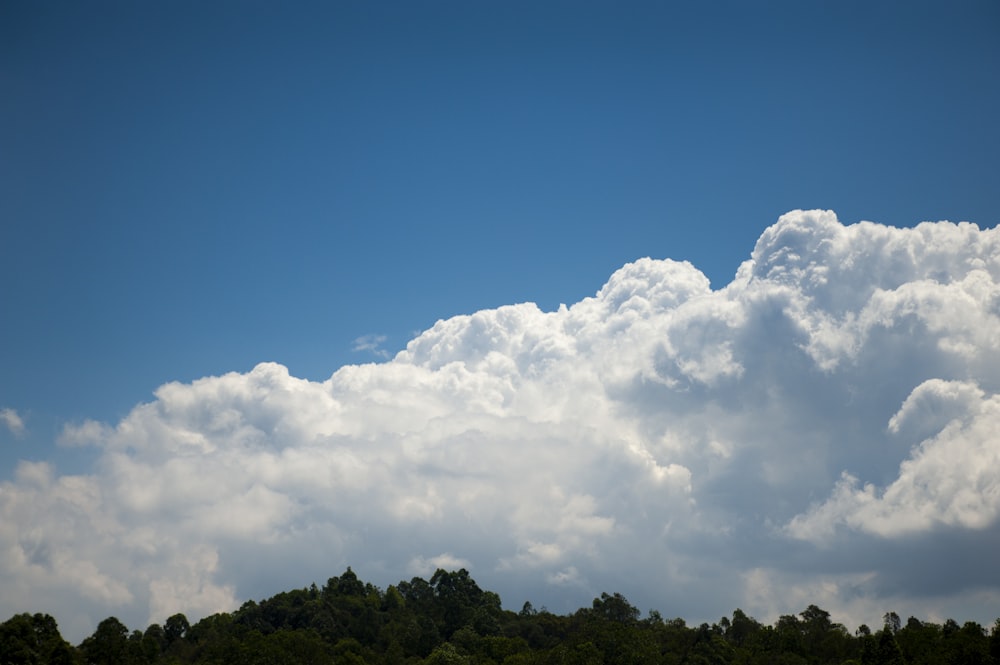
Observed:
{"x":12,"y":420}
{"x":948,"y":480}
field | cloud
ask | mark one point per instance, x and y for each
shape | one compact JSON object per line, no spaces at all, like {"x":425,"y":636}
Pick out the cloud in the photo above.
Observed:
{"x":798,"y":430}
{"x":13,"y":421}
{"x":425,"y":567}
{"x":949,"y":479}
{"x":87,"y":433}
{"x":372,"y":344}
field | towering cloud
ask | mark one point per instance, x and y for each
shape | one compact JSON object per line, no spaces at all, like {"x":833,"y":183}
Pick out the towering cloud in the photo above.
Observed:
{"x":777,"y":442}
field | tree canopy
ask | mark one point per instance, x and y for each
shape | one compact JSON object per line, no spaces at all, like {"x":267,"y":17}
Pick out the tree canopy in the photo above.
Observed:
{"x":449,"y":619}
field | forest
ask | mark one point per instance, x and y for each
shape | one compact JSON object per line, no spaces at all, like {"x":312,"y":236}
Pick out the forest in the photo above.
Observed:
{"x":450,"y":619}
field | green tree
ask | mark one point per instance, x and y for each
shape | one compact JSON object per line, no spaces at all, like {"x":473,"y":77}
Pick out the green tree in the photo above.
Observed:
{"x":920,"y":642}
{"x":709,"y":648}
{"x":28,"y":639}
{"x":347,"y":584}
{"x":459,"y":602}
{"x":882,"y":649}
{"x":615,"y":608}
{"x":154,"y":641}
{"x":968,"y":645}
{"x":741,"y":628}
{"x":175,"y":628}
{"x":446,"y":654}
{"x":134,"y":654}
{"x":891,"y":622}
{"x":995,"y":642}
{"x":108,"y":645}
{"x":789,"y":631}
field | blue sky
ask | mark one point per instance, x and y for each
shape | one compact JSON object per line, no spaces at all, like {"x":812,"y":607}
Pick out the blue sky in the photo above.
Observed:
{"x":189,"y":189}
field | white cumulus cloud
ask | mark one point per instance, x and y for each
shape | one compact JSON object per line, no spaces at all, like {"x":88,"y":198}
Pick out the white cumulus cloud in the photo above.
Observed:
{"x":949,"y":479}
{"x":12,"y":421}
{"x":791,"y":431}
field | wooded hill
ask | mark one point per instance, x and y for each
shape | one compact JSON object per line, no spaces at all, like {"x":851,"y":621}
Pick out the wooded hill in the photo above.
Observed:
{"x":449,"y":619}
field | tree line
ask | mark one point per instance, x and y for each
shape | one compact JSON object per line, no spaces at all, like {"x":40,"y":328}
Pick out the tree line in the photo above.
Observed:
{"x":449,"y":619}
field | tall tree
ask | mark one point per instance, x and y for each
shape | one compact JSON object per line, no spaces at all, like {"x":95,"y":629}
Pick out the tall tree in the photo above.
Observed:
{"x":28,"y":639}
{"x":108,"y":645}
{"x":175,"y":628}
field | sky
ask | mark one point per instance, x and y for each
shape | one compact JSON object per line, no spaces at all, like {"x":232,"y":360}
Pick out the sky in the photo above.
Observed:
{"x":581,"y":296}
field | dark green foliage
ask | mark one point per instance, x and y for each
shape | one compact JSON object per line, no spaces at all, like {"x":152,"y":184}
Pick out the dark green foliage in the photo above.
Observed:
{"x":108,"y":645}
{"x":995,"y":642}
{"x":615,"y":608}
{"x":449,"y":620}
{"x":29,"y":639}
{"x":919,"y":642}
{"x":882,"y":648}
{"x":741,"y":629}
{"x":175,"y":628}
{"x":460,"y":602}
{"x":969,"y":645}
{"x":153,"y":642}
